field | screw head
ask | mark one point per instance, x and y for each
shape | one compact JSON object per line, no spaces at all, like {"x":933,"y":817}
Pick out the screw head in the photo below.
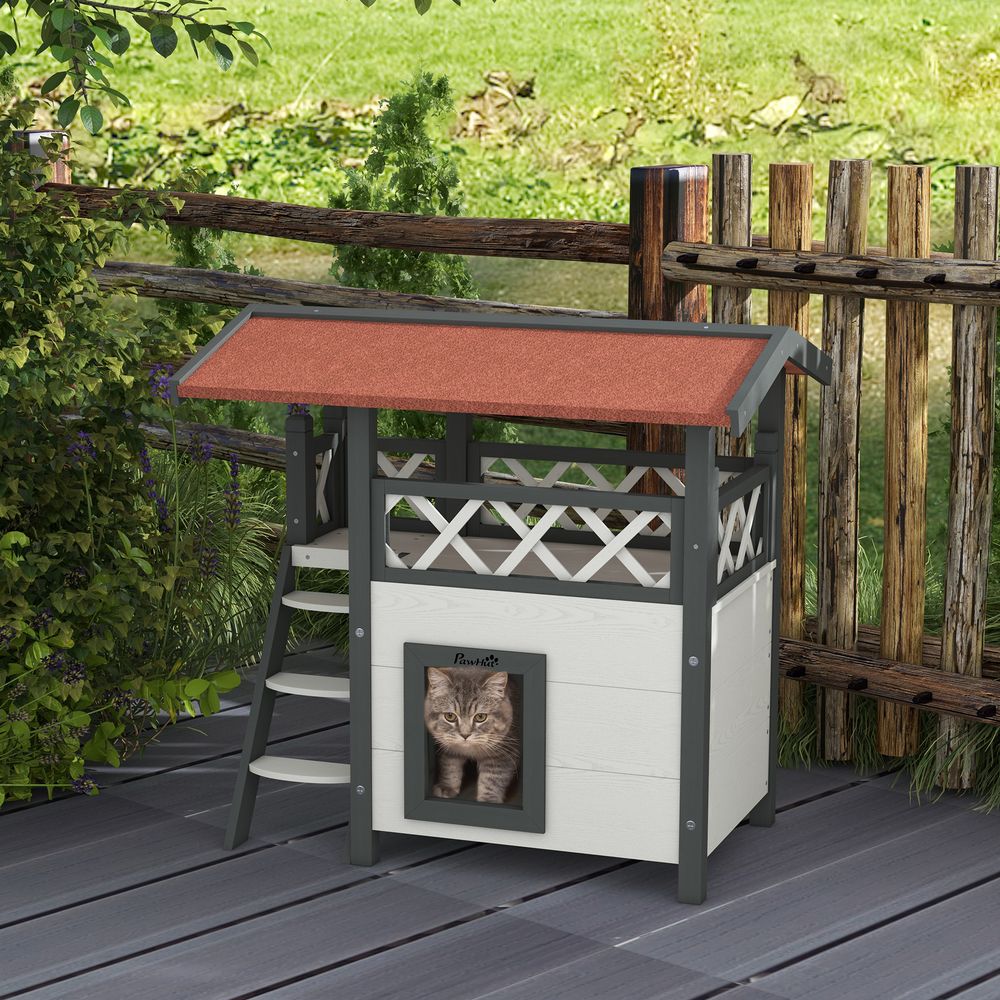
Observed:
{"x":360,"y":789}
{"x":695,"y":546}
{"x":359,"y":632}
{"x":295,"y":454}
{"x":690,"y":825}
{"x":295,"y":520}
{"x":693,"y":661}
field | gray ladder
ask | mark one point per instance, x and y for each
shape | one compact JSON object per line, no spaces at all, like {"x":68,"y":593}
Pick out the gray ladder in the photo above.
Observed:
{"x":272,"y":680}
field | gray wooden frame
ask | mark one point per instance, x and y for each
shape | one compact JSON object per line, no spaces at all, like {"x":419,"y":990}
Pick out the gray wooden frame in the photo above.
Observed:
{"x":418,"y":746}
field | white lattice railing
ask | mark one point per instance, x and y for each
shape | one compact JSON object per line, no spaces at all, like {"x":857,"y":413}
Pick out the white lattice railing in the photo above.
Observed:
{"x":495,"y":560}
{"x":596,"y":481}
{"x":740,"y":533}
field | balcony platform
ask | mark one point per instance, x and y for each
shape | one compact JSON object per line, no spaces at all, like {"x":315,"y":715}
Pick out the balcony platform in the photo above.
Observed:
{"x":130,"y":894}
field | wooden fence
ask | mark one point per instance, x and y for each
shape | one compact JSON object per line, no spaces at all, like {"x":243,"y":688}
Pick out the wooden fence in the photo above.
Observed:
{"x":688,"y":232}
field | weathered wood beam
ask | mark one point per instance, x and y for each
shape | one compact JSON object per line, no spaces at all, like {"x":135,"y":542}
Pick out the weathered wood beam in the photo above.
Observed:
{"x":732,"y":192}
{"x":970,"y":492}
{"x":790,"y":194}
{"x":839,"y":439}
{"x":895,"y":684}
{"x":223,"y":288}
{"x":904,"y":583}
{"x":543,"y":239}
{"x":948,"y":281}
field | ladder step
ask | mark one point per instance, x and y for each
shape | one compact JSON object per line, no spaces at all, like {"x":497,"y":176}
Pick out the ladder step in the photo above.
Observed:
{"x":311,"y":685}
{"x":316,"y":600}
{"x":315,"y":772}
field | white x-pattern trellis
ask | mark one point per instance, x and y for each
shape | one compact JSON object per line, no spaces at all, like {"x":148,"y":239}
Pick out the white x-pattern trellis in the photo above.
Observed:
{"x":660,"y":526}
{"x":736,"y":525}
{"x":531,"y":538}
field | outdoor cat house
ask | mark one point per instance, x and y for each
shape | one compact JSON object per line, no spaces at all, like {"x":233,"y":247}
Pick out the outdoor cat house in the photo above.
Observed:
{"x":551,"y":646}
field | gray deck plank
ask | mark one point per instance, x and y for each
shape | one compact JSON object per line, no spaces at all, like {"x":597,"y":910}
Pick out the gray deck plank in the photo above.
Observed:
{"x":492,"y":875}
{"x":112,"y":928}
{"x":834,"y":900}
{"x":237,"y":959}
{"x":918,"y":957}
{"x":989,"y":989}
{"x":482,"y":958}
{"x":640,"y":898}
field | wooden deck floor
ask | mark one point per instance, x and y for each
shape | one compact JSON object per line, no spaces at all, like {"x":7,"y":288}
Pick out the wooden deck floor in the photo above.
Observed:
{"x":855,"y":894}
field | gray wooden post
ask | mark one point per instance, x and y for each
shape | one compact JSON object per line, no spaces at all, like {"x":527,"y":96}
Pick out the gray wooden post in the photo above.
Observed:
{"x":769,"y":449}
{"x":458,"y":434}
{"x":300,"y":479}
{"x":361,"y":465}
{"x":700,"y":559}
{"x":335,"y":492}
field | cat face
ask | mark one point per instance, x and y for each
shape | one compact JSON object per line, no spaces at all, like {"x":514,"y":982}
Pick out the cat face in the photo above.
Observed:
{"x":468,"y":712}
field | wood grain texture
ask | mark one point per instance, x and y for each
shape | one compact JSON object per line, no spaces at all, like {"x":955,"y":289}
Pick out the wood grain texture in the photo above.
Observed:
{"x":970,"y":491}
{"x":665,"y":203}
{"x":839,"y":422}
{"x":906,"y":361}
{"x":586,"y":640}
{"x":224,"y":288}
{"x":895,"y":682}
{"x":731,"y":204}
{"x":543,"y":239}
{"x":586,"y":812}
{"x":611,"y":729}
{"x":820,"y":273}
{"x":790,"y":228}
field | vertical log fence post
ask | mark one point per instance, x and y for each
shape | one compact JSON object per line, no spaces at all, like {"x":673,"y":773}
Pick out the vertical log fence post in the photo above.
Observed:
{"x":731,"y":194}
{"x":840,"y":416}
{"x":790,"y":228}
{"x":906,"y":332}
{"x":58,"y":171}
{"x":665,"y":203}
{"x":970,"y":493}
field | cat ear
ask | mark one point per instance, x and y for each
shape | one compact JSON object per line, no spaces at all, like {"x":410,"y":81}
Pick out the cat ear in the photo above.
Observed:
{"x":437,"y":679}
{"x":495,"y":683}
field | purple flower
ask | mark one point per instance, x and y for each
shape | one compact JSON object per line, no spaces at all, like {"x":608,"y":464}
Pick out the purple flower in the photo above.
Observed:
{"x":159,"y":378}
{"x":128,"y":703}
{"x":208,"y":562}
{"x":54,"y":662}
{"x":232,"y":493}
{"x":77,"y":577}
{"x":84,"y":786}
{"x":201,"y":449}
{"x":159,"y":502}
{"x":7,"y":635}
{"x":74,"y":672}
{"x":41,"y":619}
{"x":82,"y":447}
{"x":297,"y":408}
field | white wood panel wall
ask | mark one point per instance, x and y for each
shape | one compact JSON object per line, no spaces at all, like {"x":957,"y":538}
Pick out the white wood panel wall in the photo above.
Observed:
{"x":586,"y":812}
{"x":588,"y":728}
{"x":741,"y":697}
{"x":618,"y":644}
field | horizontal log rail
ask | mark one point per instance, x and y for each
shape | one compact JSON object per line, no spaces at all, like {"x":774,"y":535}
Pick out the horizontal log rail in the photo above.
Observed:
{"x":973,"y":698}
{"x":541,"y":239}
{"x":225,"y":288}
{"x":950,"y":281}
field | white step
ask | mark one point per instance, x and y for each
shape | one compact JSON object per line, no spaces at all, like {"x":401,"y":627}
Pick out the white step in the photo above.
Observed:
{"x":314,"y":772}
{"x":311,"y":685}
{"x":316,"y":600}
{"x":329,"y":551}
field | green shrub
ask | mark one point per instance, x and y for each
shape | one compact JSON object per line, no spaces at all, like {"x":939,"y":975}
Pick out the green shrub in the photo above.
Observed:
{"x":117,"y":602}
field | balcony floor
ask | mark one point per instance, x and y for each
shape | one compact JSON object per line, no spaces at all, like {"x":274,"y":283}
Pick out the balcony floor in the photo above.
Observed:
{"x":856,"y":894}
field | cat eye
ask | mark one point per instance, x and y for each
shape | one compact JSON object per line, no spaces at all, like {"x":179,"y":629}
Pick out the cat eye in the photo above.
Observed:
{"x":480,"y":717}
{"x":450,"y":716}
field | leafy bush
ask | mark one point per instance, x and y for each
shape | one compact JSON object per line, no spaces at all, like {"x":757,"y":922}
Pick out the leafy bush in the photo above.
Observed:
{"x":125,"y":584}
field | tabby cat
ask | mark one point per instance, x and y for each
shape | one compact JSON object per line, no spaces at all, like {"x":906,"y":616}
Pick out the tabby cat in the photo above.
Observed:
{"x":471,"y":715}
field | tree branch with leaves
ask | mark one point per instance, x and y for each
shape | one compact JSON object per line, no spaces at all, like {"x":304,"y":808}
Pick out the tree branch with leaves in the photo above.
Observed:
{"x":85,"y":37}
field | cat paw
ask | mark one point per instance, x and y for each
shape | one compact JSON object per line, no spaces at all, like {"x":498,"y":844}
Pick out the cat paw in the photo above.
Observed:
{"x":489,"y":797}
{"x":444,"y":791}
